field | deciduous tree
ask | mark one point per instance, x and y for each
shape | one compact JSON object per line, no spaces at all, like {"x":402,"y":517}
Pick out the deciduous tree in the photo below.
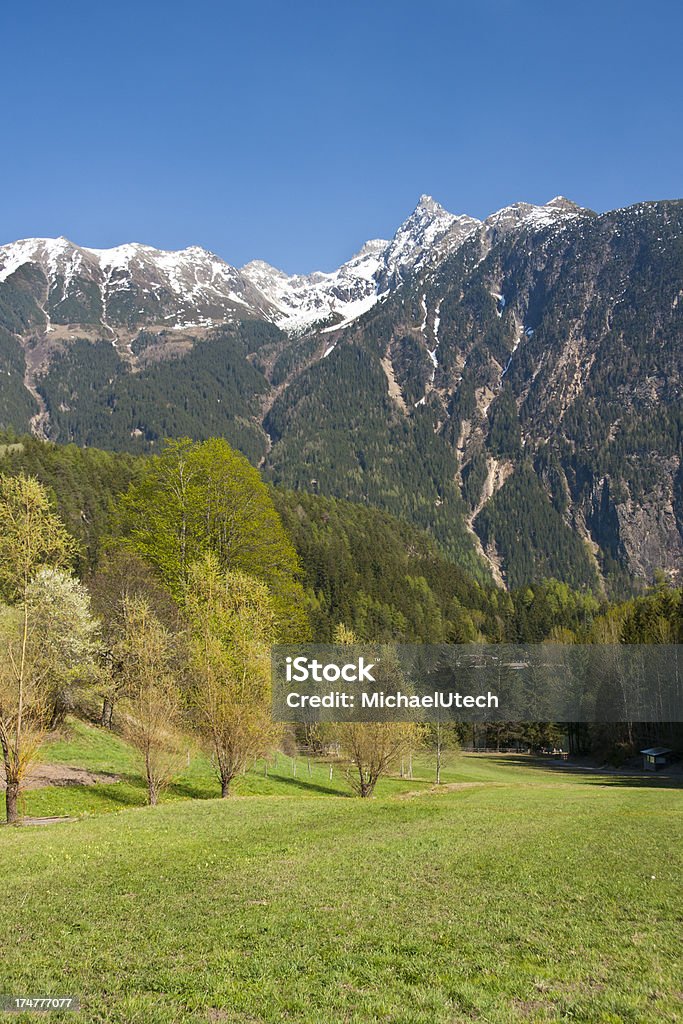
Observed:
{"x":122,"y":575}
{"x":372,"y":749}
{"x":232,"y":625}
{"x":31,"y":537}
{"x":199,"y":497}
{"x":64,"y":636}
{"x":152,"y":701}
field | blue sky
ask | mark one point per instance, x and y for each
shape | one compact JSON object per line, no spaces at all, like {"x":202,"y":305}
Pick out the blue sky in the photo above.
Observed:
{"x":293,"y":131}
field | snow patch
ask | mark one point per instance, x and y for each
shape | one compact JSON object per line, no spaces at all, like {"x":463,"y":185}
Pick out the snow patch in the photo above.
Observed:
{"x":500,"y":299}
{"x":437,"y":322}
{"x":522,"y":332}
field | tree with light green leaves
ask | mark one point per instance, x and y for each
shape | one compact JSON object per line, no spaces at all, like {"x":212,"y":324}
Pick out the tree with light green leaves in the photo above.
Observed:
{"x":65,"y":637}
{"x":31,"y":538}
{"x":151,"y":702}
{"x":232,"y":625}
{"x":373,"y":749}
{"x":199,"y":497}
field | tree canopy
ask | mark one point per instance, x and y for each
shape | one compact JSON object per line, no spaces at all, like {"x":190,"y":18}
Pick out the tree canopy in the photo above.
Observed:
{"x":200,"y":497}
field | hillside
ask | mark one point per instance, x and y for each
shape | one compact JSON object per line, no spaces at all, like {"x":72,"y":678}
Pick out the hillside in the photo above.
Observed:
{"x":384,"y":577}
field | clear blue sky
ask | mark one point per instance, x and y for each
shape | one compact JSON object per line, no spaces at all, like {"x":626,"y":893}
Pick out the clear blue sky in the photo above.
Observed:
{"x":292,"y":131}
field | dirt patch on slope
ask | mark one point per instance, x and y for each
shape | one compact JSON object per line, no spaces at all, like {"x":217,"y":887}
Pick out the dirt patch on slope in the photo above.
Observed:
{"x":446,"y":787}
{"x":62,"y":775}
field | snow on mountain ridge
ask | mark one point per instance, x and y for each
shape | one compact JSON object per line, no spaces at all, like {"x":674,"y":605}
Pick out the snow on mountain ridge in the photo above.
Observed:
{"x":179,"y":289}
{"x":195,"y":287}
{"x":303,"y":299}
{"x":527,"y":214}
{"x":430,"y":232}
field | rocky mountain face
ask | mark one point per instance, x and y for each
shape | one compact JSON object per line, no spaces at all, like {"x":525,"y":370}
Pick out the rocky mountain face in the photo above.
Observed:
{"x":512,"y":384}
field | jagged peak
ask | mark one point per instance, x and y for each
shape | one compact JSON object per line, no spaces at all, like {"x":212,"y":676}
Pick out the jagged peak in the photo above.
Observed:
{"x":562,"y":203}
{"x":372,"y":246}
{"x":429,"y":204}
{"x":262,"y":267}
{"x":199,"y":250}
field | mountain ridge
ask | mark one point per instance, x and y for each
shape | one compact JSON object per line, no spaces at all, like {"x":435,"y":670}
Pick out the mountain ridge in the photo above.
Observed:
{"x":219,"y":292}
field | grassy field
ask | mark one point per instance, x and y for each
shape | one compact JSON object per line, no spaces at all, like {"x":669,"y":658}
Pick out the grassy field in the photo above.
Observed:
{"x":531,"y":896}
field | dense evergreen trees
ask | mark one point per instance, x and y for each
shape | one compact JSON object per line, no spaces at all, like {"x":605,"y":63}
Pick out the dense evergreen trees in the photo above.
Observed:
{"x":532,"y":536}
{"x":337,"y":431}
{"x":210,"y":390}
{"x":16,"y":404}
{"x":382,"y":577}
{"x":83,"y":483}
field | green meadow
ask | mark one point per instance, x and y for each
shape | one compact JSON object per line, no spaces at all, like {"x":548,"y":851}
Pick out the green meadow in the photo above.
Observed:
{"x":512,"y":893}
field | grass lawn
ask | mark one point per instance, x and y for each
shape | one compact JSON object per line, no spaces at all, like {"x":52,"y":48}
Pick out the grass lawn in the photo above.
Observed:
{"x":533,"y":896}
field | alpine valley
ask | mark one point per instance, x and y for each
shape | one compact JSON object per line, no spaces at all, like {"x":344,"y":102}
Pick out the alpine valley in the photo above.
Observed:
{"x":511,"y":385}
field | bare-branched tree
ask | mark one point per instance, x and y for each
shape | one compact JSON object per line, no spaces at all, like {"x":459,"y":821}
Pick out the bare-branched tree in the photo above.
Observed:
{"x":152,"y":702}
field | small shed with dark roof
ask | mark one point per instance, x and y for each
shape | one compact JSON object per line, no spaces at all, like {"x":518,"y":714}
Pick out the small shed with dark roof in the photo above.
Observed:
{"x":655,"y":758}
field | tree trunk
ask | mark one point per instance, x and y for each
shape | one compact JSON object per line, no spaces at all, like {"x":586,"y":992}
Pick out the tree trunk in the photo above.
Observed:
{"x":107,"y":712}
{"x":225,"y":788}
{"x":151,"y":786}
{"x":367,"y":786}
{"x":11,"y":801}
{"x":438,"y":753}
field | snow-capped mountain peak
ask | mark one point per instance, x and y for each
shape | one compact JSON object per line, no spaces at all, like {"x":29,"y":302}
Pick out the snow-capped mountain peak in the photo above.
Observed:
{"x":134,"y":283}
{"x":429,"y":234}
